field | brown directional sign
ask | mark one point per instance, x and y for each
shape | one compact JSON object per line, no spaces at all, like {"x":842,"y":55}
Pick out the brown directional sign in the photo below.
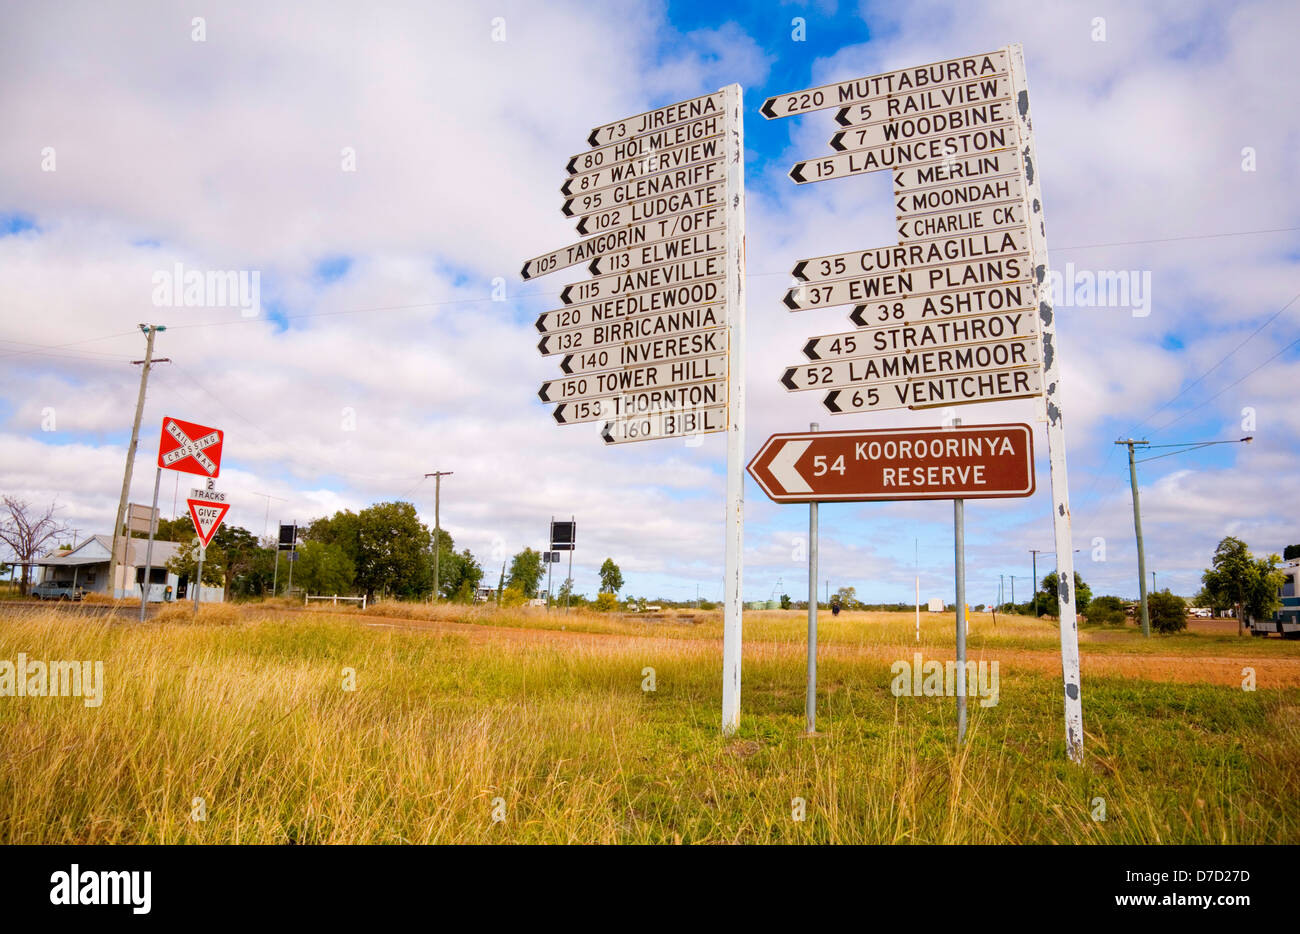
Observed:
{"x":966,"y":461}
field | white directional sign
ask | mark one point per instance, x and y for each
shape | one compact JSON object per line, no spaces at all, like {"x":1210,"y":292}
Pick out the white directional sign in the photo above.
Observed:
{"x":859,"y":262}
{"x":919,"y":336}
{"x":911,"y":363}
{"x":688,"y":278}
{"x":713,"y":218}
{"x":966,"y":220}
{"x":645,"y":144}
{"x":909,"y":280}
{"x":963,"y":194}
{"x":695,"y":421}
{"x":921,"y":308}
{"x":947,"y":171}
{"x":935,"y":391}
{"x":639,"y":189}
{"x":589,"y":327}
{"x":923,"y":102}
{"x":911,"y":152}
{"x":659,"y":206}
{"x":710,"y":105}
{"x":977,"y":116}
{"x":210,"y":496}
{"x":612,"y":382}
{"x":891,"y":83}
{"x":653,"y":163}
{"x":658,"y":350}
{"x":655,"y":254}
{"x":667,"y":399}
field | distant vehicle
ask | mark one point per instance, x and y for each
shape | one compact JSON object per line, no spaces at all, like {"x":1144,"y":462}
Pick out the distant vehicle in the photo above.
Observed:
{"x":51,"y":590}
{"x":1200,"y":612}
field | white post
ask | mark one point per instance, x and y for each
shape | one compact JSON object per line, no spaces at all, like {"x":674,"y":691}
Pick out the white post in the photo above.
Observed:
{"x":735,"y":520}
{"x":810,"y":701}
{"x":1050,"y":411}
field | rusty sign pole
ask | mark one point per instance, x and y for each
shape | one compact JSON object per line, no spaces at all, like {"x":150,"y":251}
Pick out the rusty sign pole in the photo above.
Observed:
{"x":1050,"y":411}
{"x":733,"y":100}
{"x":810,"y":704}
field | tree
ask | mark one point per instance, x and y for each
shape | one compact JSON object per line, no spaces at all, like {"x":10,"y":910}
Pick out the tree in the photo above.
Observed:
{"x":180,"y":529}
{"x":184,"y":563}
{"x":1106,"y":611}
{"x":1290,"y":551}
{"x":1168,"y":613}
{"x":1242,"y":581}
{"x":459,"y":574}
{"x":605,"y":601}
{"x":388,"y":545}
{"x":240,"y":549}
{"x":611,"y":578}
{"x":566,"y":591}
{"x":26,"y":534}
{"x":848,"y":598}
{"x":324,"y":569}
{"x":525,"y":572}
{"x":1049,"y":603}
{"x":785,"y":601}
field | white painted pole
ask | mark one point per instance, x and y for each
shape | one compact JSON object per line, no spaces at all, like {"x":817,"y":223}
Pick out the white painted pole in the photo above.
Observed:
{"x":733,"y":99}
{"x":1050,"y":411}
{"x":916,"y":556}
{"x":810,"y":702}
{"x":959,"y":565}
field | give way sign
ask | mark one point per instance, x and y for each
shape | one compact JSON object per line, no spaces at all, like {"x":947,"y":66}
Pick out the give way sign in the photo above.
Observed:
{"x":206,"y":514}
{"x":190,"y":448}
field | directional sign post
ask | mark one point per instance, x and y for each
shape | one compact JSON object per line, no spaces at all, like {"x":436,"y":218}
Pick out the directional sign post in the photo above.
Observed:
{"x":653,"y":343}
{"x":957,"y":312}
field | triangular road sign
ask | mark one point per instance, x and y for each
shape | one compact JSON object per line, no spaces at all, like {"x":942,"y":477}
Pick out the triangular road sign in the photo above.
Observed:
{"x":207,"y":518}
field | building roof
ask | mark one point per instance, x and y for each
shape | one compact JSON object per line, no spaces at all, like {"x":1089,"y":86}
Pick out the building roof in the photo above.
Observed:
{"x":135,"y":554}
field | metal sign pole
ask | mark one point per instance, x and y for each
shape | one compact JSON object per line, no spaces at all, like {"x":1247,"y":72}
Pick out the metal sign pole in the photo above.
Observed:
{"x":1051,"y":412}
{"x":733,"y":102}
{"x":148,"y":551}
{"x":198,"y":576}
{"x":959,"y":557}
{"x":810,"y":704}
{"x":573,"y":543}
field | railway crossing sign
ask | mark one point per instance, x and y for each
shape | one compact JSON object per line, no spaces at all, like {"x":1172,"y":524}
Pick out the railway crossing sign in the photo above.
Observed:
{"x":967,"y":461}
{"x":190,"y":448}
{"x":957,"y":312}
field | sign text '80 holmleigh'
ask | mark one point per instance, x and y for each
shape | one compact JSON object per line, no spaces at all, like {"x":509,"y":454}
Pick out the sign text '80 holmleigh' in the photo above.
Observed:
{"x":650,"y":340}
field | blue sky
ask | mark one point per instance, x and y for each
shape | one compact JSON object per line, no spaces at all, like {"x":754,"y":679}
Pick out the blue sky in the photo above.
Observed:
{"x":377,"y":283}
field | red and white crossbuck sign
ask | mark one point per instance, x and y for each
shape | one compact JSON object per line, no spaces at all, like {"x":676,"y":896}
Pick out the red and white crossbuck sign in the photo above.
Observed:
{"x":190,"y":448}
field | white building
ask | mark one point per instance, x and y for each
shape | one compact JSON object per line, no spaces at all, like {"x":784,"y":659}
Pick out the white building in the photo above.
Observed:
{"x":86,"y":567}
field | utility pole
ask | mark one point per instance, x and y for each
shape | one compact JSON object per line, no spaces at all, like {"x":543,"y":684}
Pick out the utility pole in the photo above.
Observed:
{"x":1137,"y":527}
{"x":1153,"y":581}
{"x":1034,"y":552}
{"x":149,"y":331}
{"x":437,"y":523}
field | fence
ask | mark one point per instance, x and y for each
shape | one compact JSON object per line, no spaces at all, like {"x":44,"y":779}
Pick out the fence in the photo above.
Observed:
{"x":335,"y":598}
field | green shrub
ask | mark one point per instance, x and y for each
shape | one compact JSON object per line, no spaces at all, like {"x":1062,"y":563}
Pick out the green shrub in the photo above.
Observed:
{"x":1168,"y":611}
{"x":605,"y":602}
{"x":1106,"y":611}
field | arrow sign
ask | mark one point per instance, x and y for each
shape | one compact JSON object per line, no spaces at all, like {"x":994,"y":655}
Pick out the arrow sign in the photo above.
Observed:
{"x":877,"y":87}
{"x":933,"y":392}
{"x":884,"y":368}
{"x":908,"y":281}
{"x":967,"y":461}
{"x":913,"y":152}
{"x":207,"y":516}
{"x":630,"y":353}
{"x":674,"y":399}
{"x":686,"y":282}
{"x":654,"y":208}
{"x":707,"y":106}
{"x":656,"y":254}
{"x":960,"y":195}
{"x":651,"y":426}
{"x":601,"y":330}
{"x":642,"y":188}
{"x":862,"y":262}
{"x":623,"y":239}
{"x":615,"y":382}
{"x":927,"y":333}
{"x":922,"y":102}
{"x":924,"y":126}
{"x":654,"y":162}
{"x":190,"y":448}
{"x":646,"y":144}
{"x":994,"y":217}
{"x":921,"y":309}
{"x":971,"y":169}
